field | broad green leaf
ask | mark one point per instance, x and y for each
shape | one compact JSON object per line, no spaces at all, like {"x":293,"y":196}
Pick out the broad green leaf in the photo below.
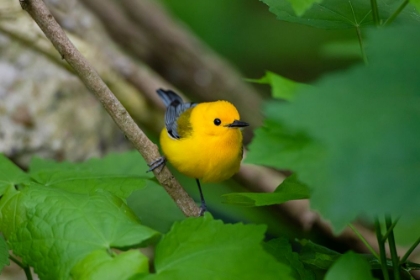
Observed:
{"x":155,"y":208}
{"x":127,"y":163}
{"x":317,"y":256}
{"x":364,"y":123}
{"x":281,"y":249}
{"x":10,"y":174}
{"x":103,"y":265}
{"x":282,"y":88}
{"x":278,"y":146}
{"x":289,"y":189}
{"x":4,"y":253}
{"x":333,"y":14}
{"x":416,"y":3}
{"x":55,"y":229}
{"x":11,"y":212}
{"x":203,"y":248}
{"x":348,"y":267}
{"x":370,"y":129}
{"x":119,"y":174}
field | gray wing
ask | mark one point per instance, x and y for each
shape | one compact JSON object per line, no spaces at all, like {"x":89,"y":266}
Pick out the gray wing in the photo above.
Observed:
{"x":174,"y":108}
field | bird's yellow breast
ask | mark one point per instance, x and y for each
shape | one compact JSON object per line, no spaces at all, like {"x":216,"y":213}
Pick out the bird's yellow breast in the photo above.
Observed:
{"x":209,"y":153}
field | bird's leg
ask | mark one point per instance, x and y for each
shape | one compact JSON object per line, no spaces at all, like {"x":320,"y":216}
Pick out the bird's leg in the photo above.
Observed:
{"x":203,"y":207}
{"x":160,"y":162}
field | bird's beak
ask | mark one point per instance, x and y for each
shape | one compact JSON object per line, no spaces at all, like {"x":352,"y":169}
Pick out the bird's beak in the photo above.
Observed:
{"x":237,"y":123}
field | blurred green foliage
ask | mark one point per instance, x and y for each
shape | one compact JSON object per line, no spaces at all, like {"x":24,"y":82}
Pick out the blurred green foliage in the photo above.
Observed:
{"x":239,"y":29}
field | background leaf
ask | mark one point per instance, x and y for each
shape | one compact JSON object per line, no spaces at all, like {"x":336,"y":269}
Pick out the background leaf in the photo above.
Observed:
{"x":300,"y":6}
{"x":101,"y":265}
{"x":333,"y":14}
{"x":348,"y":267}
{"x":155,"y":207}
{"x":10,"y":174}
{"x":289,"y":189}
{"x":64,"y":227}
{"x":119,"y":174}
{"x":317,"y":256}
{"x":281,"y":249}
{"x":282,"y":88}
{"x":202,"y":248}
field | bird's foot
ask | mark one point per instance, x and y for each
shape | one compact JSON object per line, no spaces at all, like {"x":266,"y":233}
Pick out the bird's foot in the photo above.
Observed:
{"x":158,"y":163}
{"x":203,"y":208}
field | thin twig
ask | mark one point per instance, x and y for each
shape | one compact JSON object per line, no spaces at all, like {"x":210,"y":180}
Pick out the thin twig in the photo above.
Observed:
{"x":365,"y":242}
{"x":362,"y":47}
{"x":42,"y":16}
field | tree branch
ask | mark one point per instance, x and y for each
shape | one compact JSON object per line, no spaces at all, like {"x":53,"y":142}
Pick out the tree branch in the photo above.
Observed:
{"x":41,"y":15}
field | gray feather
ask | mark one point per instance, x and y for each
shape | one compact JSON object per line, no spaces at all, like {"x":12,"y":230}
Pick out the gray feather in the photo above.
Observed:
{"x":174,"y":108}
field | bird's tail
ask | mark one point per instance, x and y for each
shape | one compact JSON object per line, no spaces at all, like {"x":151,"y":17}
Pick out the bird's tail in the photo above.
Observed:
{"x":168,"y":96}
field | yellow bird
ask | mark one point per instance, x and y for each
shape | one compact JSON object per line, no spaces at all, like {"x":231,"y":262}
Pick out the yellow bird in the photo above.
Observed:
{"x":201,"y":140}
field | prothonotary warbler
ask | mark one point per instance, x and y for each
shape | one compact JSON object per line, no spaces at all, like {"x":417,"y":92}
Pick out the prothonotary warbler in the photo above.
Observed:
{"x":201,"y":140}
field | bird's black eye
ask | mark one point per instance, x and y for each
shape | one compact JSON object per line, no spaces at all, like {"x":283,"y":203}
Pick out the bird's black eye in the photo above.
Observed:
{"x":217,"y":121}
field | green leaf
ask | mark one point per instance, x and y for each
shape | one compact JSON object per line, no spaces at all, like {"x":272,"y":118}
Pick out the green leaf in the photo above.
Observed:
{"x":278,"y":146}
{"x":119,"y":174}
{"x":53,"y":229}
{"x":102,"y":265}
{"x":317,"y":256}
{"x":332,"y":14}
{"x":369,"y":129}
{"x":127,"y":163}
{"x":289,"y":189}
{"x":203,"y":248}
{"x":300,"y":6}
{"x":282,"y":88}
{"x":4,"y":253}
{"x":155,"y":208}
{"x":349,"y":49}
{"x":281,"y":249}
{"x":416,"y":3}
{"x":10,"y":174}
{"x":348,"y":267}
{"x":353,"y":138}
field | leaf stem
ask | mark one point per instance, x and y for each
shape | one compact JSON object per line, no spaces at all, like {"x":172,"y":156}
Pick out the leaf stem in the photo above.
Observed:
{"x":389,"y":230}
{"x":364,"y":241}
{"x":408,"y":253}
{"x":392,"y":248}
{"x":382,"y":252}
{"x":362,"y":47}
{"x":397,"y":12}
{"x":25,"y":268}
{"x":375,"y":13}
{"x":359,"y":36}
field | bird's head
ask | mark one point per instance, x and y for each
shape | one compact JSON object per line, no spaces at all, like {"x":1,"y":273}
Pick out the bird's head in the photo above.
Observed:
{"x":216,"y":118}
